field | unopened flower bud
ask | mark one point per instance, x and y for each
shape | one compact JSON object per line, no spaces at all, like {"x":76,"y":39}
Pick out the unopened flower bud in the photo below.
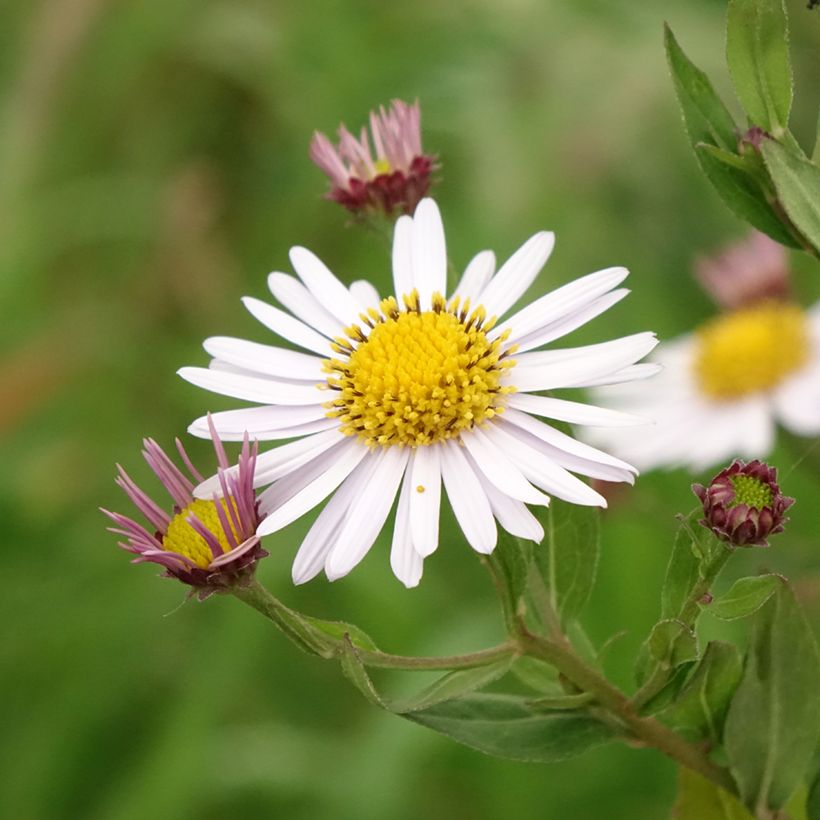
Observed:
{"x":743,"y":504}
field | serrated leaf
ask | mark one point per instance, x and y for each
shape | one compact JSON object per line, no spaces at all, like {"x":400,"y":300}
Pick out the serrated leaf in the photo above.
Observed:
{"x":757,"y":50}
{"x":701,"y":706}
{"x":744,"y":597}
{"x":797,"y":181}
{"x":773,"y":724}
{"x":505,"y":726}
{"x":567,"y":559}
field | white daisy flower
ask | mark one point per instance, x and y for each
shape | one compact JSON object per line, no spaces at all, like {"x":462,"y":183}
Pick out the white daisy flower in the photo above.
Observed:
{"x":402,"y":395}
{"x":723,"y":388}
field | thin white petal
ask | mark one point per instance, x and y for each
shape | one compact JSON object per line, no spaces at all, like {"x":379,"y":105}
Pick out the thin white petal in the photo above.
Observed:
{"x":425,"y":503}
{"x":797,"y":401}
{"x":403,"y":282}
{"x":272,"y":361}
{"x":287,"y":327}
{"x":330,"y":476}
{"x":257,"y":420}
{"x":499,"y":470}
{"x":429,"y":252}
{"x":310,"y":560}
{"x":517,"y":274}
{"x":367,"y":514}
{"x":476,"y":276}
{"x":264,"y":390}
{"x":555,"y":330}
{"x":634,"y":372}
{"x":512,"y":514}
{"x":303,"y":305}
{"x":568,"y":367}
{"x":543,"y":472}
{"x":278,"y":434}
{"x":561,"y":302}
{"x":406,"y":563}
{"x":365,"y":294}
{"x":325,"y":287}
{"x":573,"y":411}
{"x":468,"y":499}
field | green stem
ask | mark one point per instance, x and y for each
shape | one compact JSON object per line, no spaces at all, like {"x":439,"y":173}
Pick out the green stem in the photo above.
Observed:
{"x":560,"y":654}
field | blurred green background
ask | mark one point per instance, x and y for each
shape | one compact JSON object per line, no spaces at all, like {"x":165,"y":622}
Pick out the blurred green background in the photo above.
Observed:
{"x":153,"y":168}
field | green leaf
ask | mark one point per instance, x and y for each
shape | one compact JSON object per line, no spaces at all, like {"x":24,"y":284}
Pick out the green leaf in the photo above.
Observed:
{"x":536,"y":674}
{"x":505,"y":726}
{"x":700,"y":799}
{"x":511,"y":561}
{"x":354,"y":670}
{"x":773,"y":724}
{"x":670,"y":644}
{"x":744,"y":597}
{"x":700,"y":708}
{"x":550,"y":703}
{"x":707,"y":118}
{"x":683,"y":570}
{"x":568,"y":557}
{"x":757,"y":50}
{"x":338,"y":630}
{"x":813,"y":803}
{"x":797,"y":181}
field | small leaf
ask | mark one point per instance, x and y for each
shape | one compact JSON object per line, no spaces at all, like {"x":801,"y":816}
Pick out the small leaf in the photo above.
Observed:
{"x":700,"y":799}
{"x":797,"y":181}
{"x":551,"y":703}
{"x":773,"y":724}
{"x":567,"y":559}
{"x":700,"y":708}
{"x":511,"y":561}
{"x":683,"y":570}
{"x":744,"y":597}
{"x":356,"y":673}
{"x":339,"y":630}
{"x":536,"y":674}
{"x":670,"y":644}
{"x":757,"y":50}
{"x":454,"y":685}
{"x":505,"y":726}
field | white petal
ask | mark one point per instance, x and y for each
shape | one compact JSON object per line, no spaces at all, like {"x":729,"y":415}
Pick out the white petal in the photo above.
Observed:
{"x":287,"y":327}
{"x":634,"y":372}
{"x":325,"y":287}
{"x":429,"y":252}
{"x":543,"y":472}
{"x":264,"y":390}
{"x":573,"y":411}
{"x":425,"y":505}
{"x":296,"y":431}
{"x":513,"y":515}
{"x":310,"y":560}
{"x":365,"y":294}
{"x":367,"y":514}
{"x":332,"y":473}
{"x":467,"y":498}
{"x":272,"y":361}
{"x":555,"y":330}
{"x":476,"y":276}
{"x":568,"y":367}
{"x":560,"y":303}
{"x":403,"y":282}
{"x":302,"y":304}
{"x":257,"y":420}
{"x":406,"y":563}
{"x":797,"y":402}
{"x":499,"y":470}
{"x":517,"y":274}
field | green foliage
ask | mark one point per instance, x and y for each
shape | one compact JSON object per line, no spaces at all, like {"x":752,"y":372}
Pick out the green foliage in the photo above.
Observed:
{"x":744,"y":597}
{"x":691,"y":546}
{"x":670,"y":644}
{"x":773,"y":723}
{"x":757,"y":50}
{"x":567,"y":559}
{"x":699,"y":799}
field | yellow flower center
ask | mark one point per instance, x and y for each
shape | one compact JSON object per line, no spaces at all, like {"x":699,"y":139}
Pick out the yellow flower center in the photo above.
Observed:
{"x":751,"y":349}
{"x":752,"y":491}
{"x":419,"y":376}
{"x":382,"y":166}
{"x":182,"y":538}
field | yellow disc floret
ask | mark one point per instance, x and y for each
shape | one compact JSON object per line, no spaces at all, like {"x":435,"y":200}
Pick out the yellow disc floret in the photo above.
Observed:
{"x":750,"y":350}
{"x":182,"y":538}
{"x":418,"y":377}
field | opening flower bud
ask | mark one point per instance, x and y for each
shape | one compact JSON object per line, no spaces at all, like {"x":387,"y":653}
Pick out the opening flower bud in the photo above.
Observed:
{"x":743,"y":504}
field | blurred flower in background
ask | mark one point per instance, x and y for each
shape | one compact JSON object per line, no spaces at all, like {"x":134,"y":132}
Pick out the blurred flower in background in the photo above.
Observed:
{"x":414,"y":390}
{"x":209,"y":544}
{"x":395,"y":180}
{"x":724,"y":387}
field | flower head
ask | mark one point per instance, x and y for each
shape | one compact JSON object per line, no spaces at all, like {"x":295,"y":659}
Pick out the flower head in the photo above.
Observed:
{"x":395,"y":179}
{"x":207,"y":543}
{"x":746,"y":272}
{"x":743,"y":504}
{"x":401,"y":395}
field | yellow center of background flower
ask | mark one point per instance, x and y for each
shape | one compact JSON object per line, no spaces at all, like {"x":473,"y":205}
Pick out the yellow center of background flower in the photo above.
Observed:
{"x":182,"y":538}
{"x":750,"y":350}
{"x":418,"y":377}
